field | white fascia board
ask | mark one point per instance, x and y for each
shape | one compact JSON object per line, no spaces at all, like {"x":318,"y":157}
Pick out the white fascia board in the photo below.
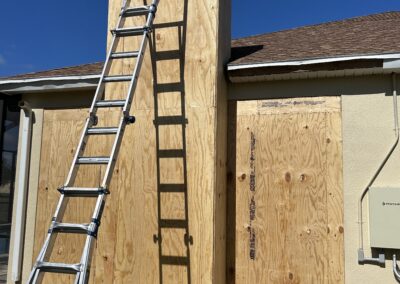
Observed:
{"x":312,"y":61}
{"x":34,"y":80}
{"x":391,"y":63}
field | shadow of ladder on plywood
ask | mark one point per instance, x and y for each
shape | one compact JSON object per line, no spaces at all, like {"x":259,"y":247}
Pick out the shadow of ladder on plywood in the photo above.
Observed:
{"x":81,"y":269}
{"x":167,"y":223}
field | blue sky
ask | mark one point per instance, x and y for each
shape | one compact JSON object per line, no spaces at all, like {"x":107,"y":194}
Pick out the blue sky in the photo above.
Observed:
{"x":44,"y":34}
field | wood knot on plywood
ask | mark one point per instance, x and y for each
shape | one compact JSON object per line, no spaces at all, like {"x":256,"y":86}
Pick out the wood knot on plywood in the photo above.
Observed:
{"x":242,"y":177}
{"x":288,"y":177}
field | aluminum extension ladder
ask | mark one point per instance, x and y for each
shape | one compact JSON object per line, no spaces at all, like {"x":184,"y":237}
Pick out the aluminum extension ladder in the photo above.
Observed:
{"x":82,"y":269}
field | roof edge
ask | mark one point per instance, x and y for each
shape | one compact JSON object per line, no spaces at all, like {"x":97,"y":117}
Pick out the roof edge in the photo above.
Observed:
{"x":232,"y":67}
{"x":315,"y":75}
{"x":55,"y":78}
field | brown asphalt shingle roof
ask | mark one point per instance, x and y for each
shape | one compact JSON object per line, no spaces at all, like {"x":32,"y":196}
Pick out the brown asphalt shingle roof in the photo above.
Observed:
{"x":79,"y":70}
{"x":367,"y":35}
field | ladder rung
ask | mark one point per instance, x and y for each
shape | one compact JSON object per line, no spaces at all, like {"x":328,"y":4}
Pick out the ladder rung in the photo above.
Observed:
{"x":168,"y":55}
{"x":174,"y":260}
{"x":136,"y":11}
{"x":173,"y":223}
{"x":171,"y":187}
{"x":82,"y":191}
{"x":123,"y":78}
{"x":110,"y":103}
{"x":174,"y":153}
{"x":129,"y":31}
{"x":58,"y":267}
{"x":169,"y":87}
{"x":70,"y":228}
{"x":120,"y":55}
{"x":102,"y":130}
{"x":92,"y":160}
{"x":170,"y":120}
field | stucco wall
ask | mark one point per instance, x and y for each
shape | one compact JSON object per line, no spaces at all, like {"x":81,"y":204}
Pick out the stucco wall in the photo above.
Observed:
{"x":368,"y":133}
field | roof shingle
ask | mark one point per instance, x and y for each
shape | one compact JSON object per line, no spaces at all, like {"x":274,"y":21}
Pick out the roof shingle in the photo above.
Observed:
{"x":367,"y":35}
{"x":79,"y":70}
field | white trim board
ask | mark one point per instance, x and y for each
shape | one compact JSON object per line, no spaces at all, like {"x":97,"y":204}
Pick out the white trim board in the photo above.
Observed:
{"x":60,"y":78}
{"x":312,"y":61}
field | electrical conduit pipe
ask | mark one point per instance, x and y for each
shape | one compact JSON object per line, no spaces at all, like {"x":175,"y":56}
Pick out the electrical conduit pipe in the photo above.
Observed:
{"x":381,"y":258}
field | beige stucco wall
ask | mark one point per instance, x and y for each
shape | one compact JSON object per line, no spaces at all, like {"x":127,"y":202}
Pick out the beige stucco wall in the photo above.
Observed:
{"x":367,"y":137}
{"x":39,"y":102}
{"x":367,"y":122}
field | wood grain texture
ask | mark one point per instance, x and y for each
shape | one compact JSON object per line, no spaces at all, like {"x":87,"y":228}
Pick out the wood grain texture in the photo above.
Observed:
{"x":335,"y":197}
{"x":289,"y":224}
{"x":125,"y":251}
{"x":61,"y":129}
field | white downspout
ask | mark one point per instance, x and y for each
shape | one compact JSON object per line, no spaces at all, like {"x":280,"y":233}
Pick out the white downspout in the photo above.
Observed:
{"x":21,"y":190}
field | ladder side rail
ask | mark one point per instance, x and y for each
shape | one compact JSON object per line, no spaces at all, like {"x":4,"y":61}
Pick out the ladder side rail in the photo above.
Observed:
{"x":50,"y":239}
{"x":114,"y":153}
{"x":82,"y":275}
{"x":136,"y":72}
{"x":125,"y":113}
{"x":92,"y":112}
{"x":107,"y":66}
{"x":88,"y":248}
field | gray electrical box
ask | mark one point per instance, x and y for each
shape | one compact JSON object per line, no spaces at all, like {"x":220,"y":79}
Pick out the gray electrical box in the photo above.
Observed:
{"x":384,"y":217}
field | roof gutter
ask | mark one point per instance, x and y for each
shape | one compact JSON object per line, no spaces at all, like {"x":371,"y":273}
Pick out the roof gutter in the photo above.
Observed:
{"x":45,"y":84}
{"x":313,"y":69}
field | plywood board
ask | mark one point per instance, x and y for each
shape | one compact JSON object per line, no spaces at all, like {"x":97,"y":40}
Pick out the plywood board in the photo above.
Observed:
{"x":127,"y":249}
{"x":61,"y":129}
{"x":289,"y":192}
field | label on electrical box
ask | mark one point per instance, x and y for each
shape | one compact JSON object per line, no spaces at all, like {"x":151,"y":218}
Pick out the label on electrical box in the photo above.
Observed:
{"x":384,"y":217}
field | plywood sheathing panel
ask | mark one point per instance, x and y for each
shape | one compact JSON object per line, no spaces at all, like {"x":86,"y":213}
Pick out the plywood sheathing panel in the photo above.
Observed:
{"x":289,"y":219}
{"x":203,"y":57}
{"x":125,"y":251}
{"x":61,"y":129}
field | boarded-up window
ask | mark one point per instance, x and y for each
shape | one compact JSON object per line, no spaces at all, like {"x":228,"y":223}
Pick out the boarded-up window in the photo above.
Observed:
{"x":289,"y":220}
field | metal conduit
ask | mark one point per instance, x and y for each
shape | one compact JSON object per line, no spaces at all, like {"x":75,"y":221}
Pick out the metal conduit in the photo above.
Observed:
{"x":381,"y":258}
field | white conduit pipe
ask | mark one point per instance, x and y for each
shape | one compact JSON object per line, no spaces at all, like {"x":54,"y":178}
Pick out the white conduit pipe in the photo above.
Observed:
{"x":381,"y":258}
{"x":22,"y":186}
{"x":395,"y":270}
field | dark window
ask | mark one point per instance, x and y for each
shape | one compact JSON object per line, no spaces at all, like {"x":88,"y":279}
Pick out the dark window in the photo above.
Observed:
{"x":9,"y":128}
